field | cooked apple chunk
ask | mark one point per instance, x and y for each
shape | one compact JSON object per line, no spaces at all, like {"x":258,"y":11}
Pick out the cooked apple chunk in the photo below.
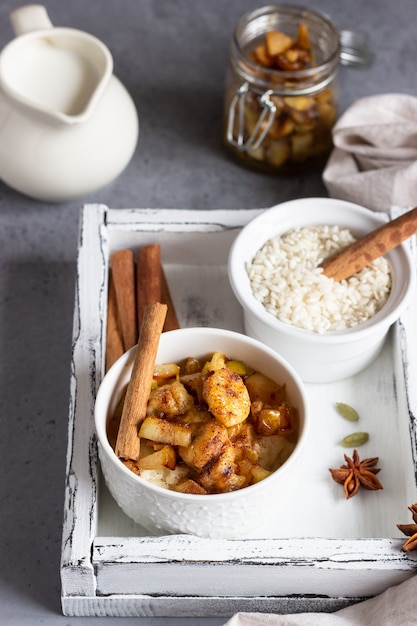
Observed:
{"x":190,"y":486}
{"x":170,"y":400}
{"x":262,"y":388}
{"x":165,"y":457}
{"x":272,"y":420}
{"x":163,"y":431}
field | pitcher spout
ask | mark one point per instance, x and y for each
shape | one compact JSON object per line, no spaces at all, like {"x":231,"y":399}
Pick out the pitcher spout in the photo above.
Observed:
{"x":60,"y":73}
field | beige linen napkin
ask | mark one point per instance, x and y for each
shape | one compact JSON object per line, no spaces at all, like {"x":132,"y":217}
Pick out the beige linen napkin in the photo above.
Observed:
{"x":397,"y":606}
{"x":374,"y":160}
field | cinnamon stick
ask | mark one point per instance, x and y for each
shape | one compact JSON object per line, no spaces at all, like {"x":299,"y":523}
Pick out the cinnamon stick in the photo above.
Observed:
{"x":138,"y":390}
{"x":114,"y":341}
{"x":123,"y":272}
{"x":148,"y":278}
{"x":171,"y":321}
{"x":358,"y":255}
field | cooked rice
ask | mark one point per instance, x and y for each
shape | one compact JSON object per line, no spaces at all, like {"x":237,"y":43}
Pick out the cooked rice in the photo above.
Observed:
{"x":284,"y":276}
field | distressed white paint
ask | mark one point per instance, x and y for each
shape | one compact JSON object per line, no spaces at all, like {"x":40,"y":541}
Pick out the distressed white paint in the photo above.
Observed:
{"x":320,"y":552}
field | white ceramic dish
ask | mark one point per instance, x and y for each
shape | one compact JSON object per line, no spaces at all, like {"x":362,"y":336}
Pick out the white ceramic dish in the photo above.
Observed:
{"x":317,"y":357}
{"x":225,"y":515}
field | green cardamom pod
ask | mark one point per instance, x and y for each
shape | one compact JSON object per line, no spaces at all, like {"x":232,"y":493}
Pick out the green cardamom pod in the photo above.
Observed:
{"x":354,"y":439}
{"x":347,"y":411}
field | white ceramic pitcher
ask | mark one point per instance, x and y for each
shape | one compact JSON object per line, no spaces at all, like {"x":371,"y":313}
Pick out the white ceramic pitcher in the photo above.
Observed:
{"x":67,"y":124}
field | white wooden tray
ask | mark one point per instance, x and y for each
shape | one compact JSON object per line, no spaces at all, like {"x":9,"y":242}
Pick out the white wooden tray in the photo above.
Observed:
{"x":324,"y":552}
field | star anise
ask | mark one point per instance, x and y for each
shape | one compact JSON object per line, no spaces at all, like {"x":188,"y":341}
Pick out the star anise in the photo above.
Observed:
{"x":410,"y":530}
{"x":357,"y":473}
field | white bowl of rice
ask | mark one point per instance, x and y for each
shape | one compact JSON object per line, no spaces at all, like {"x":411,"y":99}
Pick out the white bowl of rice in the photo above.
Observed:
{"x":327,"y":330}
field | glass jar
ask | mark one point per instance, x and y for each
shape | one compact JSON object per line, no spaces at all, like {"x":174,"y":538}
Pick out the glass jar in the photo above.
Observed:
{"x":281,"y":120}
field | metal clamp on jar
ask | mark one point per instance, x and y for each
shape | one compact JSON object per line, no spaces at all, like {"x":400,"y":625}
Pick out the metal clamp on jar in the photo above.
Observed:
{"x":281,"y":96}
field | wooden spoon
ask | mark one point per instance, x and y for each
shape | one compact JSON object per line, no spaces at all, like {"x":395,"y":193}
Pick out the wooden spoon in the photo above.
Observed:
{"x":378,"y":242}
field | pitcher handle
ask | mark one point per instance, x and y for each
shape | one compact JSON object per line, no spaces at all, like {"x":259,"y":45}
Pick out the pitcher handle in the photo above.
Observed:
{"x":29,"y":18}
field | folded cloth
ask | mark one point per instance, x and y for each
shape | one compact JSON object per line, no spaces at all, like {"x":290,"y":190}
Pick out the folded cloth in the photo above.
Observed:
{"x":397,"y":606}
{"x":374,"y":160}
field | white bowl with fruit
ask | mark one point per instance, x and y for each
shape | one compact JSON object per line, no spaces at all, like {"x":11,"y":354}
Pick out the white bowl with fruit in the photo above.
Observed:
{"x":225,"y":425}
